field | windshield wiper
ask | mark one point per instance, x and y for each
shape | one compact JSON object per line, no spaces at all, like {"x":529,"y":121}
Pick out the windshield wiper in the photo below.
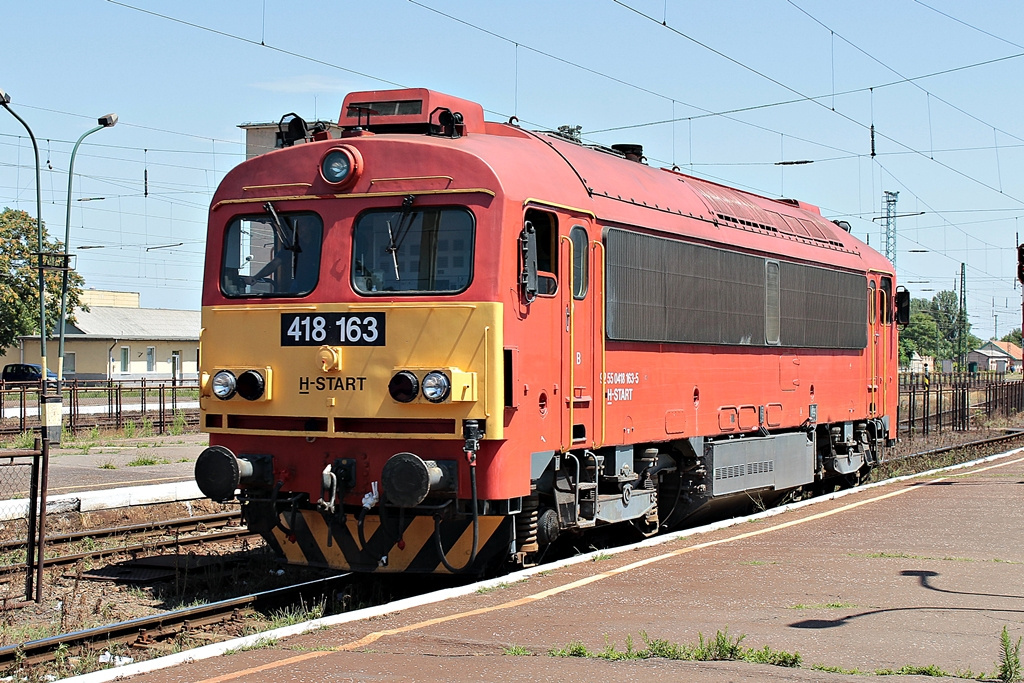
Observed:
{"x":288,"y":243}
{"x":291,"y":244}
{"x":393,"y":249}
{"x":393,"y":244}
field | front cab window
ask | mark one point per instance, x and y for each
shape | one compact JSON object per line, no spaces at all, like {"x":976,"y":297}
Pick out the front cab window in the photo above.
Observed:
{"x":272,"y":255}
{"x":415,"y":251}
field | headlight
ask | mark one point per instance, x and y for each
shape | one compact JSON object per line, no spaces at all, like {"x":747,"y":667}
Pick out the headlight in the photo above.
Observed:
{"x":436,"y":386}
{"x":224,"y":385}
{"x":336,"y":167}
{"x":341,"y":166}
{"x":250,"y":385}
{"x":404,"y":386}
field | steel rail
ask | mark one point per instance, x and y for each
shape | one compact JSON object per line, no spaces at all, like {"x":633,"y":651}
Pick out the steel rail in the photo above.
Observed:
{"x":1015,"y":434}
{"x":178,"y":524}
{"x":148,"y":546}
{"x":145,"y":631}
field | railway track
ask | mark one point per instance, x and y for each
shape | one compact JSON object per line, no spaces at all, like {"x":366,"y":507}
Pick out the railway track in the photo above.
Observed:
{"x":153,"y":631}
{"x":190,"y":420}
{"x":186,"y":531}
{"x":1013,"y":436}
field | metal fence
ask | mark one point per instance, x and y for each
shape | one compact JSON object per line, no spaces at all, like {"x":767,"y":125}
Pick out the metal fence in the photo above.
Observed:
{"x":160,"y":404}
{"x":22,"y":523}
{"x":931,"y":404}
{"x":909,"y":380}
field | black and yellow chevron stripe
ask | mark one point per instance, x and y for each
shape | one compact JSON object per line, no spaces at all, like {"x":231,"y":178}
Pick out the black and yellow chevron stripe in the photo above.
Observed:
{"x":398,"y":543}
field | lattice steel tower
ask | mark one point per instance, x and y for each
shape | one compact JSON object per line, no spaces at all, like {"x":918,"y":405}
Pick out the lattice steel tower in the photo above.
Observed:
{"x":890,"y":226}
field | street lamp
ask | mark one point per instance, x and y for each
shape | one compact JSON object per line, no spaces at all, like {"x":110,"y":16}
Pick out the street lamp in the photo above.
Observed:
{"x":107,"y":121}
{"x":5,"y":102}
{"x":50,"y":423}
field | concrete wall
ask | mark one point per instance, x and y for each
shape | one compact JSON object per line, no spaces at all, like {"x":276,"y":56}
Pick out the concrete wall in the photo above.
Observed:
{"x":97,"y":359}
{"x":102,"y":297}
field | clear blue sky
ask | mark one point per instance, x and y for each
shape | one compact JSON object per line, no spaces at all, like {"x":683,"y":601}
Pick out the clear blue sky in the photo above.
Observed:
{"x":951,"y":144}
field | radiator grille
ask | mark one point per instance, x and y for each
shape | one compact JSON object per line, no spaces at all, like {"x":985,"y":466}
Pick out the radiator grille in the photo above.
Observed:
{"x":733,"y":471}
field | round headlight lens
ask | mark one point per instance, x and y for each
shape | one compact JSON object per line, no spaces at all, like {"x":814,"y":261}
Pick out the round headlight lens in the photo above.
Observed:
{"x":250,"y":385}
{"x":404,"y":386}
{"x":436,"y":386}
{"x":224,"y":385}
{"x":336,"y":167}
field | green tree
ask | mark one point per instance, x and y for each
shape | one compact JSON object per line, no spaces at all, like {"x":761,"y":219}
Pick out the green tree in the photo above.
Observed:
{"x":1014,"y":337}
{"x":933,"y":328}
{"x":19,"y":280}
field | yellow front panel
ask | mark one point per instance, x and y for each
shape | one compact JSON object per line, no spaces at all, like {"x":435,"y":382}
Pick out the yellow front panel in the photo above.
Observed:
{"x":342,"y":381}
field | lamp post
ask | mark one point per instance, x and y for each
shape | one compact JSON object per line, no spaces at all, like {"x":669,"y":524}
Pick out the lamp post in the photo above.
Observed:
{"x":5,"y":102}
{"x":107,"y":121}
{"x":37,"y":488}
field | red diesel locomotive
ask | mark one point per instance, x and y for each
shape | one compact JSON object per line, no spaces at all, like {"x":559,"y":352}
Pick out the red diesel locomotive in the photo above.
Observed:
{"x":436,"y":343}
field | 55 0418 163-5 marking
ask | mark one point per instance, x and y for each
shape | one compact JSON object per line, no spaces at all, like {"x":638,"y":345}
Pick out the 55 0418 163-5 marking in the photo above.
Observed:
{"x":334,"y":329}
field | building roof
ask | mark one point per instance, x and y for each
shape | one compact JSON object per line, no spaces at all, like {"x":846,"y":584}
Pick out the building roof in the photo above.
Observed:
{"x":1009,"y":348}
{"x":116,"y":322}
{"x":989,"y":352}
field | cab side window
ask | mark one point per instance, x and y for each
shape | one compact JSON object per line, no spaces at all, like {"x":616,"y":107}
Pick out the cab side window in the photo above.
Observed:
{"x":545,"y":226}
{"x":580,"y":261}
{"x":885,"y":301}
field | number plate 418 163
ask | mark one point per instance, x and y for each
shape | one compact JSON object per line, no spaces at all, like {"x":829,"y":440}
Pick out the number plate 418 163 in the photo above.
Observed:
{"x":333,"y":329}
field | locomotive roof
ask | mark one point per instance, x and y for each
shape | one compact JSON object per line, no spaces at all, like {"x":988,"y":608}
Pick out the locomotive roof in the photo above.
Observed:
{"x":552,"y":170}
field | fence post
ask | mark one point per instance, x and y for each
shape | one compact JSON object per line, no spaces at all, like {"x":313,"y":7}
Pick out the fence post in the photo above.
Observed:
{"x":927,"y":404}
{"x":163,"y":409}
{"x":912,"y":410}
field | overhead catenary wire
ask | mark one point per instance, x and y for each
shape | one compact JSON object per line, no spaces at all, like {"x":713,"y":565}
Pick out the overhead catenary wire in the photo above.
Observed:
{"x":689,"y":125}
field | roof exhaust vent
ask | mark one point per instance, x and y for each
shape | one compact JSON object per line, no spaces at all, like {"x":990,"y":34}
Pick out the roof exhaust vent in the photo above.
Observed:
{"x":631,"y":152}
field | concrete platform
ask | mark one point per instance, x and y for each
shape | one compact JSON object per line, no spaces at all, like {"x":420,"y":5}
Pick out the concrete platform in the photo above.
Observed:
{"x":923,"y":572}
{"x":88,"y":477}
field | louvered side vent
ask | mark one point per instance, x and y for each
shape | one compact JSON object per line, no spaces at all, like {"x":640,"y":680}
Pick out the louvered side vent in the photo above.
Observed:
{"x":730,"y":472}
{"x":667,"y":290}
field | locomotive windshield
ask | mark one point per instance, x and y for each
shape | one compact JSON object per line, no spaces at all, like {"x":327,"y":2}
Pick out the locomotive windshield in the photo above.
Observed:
{"x":272,"y":255}
{"x":414,"y":250}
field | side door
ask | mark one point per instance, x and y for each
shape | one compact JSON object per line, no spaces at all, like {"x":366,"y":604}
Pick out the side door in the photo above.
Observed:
{"x":874,"y":349}
{"x":880,"y":341}
{"x":888,"y":353}
{"x":581,"y":335}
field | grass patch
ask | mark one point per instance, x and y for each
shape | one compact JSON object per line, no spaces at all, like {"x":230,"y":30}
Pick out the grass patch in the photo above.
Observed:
{"x":723,"y":647}
{"x":1009,"y":670}
{"x":24,"y":440}
{"x":261,"y":644}
{"x":314,"y":648}
{"x":179,"y":425}
{"x":108,"y":466}
{"x":914,"y":670}
{"x":907,"y":556}
{"x":484,"y":590}
{"x":516,"y":651}
{"x":826,"y":605}
{"x":143,"y":461}
{"x":291,"y":615}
